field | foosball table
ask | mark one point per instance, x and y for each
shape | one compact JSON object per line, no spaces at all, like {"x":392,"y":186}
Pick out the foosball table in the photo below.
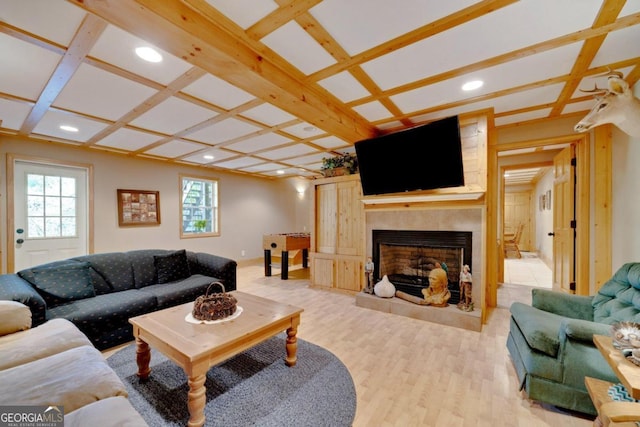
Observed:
{"x":284,"y":243}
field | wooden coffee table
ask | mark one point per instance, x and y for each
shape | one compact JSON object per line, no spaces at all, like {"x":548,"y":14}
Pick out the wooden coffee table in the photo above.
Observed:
{"x":197,"y":347}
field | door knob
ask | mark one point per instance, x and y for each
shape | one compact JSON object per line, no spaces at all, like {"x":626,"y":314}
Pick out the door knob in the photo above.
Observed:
{"x":551,"y":234}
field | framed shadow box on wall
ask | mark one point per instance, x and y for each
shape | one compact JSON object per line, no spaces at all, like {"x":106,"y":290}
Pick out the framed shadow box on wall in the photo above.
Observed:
{"x":138,"y":208}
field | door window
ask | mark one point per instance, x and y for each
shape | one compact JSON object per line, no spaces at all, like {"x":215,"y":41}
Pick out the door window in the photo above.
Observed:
{"x":51,"y":206}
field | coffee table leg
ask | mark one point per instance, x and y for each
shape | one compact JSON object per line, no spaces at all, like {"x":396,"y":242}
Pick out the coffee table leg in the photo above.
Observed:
{"x":292,"y":346}
{"x":196,"y":400}
{"x":143,"y":356}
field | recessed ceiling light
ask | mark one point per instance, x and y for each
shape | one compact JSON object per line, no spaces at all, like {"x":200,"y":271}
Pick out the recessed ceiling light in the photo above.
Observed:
{"x":68,"y":128}
{"x":280,"y":172}
{"x":148,"y":54}
{"x":208,"y":157}
{"x":472,"y":85}
{"x":309,"y":128}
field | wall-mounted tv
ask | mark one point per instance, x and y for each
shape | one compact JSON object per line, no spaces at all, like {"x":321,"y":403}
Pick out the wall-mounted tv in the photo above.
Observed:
{"x":425,"y":157}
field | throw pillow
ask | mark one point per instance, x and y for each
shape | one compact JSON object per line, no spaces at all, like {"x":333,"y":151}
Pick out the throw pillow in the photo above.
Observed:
{"x":63,"y":283}
{"x":172,"y":266}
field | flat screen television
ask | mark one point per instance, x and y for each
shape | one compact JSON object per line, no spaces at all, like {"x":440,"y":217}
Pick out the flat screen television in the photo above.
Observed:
{"x":425,"y":157}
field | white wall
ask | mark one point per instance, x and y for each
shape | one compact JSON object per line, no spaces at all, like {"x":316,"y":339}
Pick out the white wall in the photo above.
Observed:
{"x":249,"y":207}
{"x":625,"y":199}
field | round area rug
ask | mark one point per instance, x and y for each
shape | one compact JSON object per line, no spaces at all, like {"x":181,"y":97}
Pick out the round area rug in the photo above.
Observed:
{"x":252,"y":388}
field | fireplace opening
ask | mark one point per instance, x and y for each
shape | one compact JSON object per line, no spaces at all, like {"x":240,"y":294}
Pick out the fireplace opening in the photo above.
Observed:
{"x":406,"y":257}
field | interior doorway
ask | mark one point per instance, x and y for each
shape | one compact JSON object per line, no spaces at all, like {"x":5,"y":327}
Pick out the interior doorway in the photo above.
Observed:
{"x":495,"y":191}
{"x":526,"y":222}
{"x":527,"y":217}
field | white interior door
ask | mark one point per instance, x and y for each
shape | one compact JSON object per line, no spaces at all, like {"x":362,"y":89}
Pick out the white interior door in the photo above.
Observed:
{"x":50,"y":213}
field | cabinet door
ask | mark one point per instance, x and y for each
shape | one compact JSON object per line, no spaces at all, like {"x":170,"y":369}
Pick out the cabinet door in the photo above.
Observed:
{"x":349,"y":231}
{"x":326,"y":218}
{"x":349,"y":274}
{"x":322,"y":272}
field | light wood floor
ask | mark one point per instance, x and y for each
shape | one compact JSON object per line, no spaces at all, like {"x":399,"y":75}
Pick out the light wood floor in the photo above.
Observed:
{"x":410,"y":372}
{"x":529,"y":270}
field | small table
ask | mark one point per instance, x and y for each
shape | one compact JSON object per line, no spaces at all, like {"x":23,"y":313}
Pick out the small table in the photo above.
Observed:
{"x":611,"y":413}
{"x":285,"y":243}
{"x":197,"y":347}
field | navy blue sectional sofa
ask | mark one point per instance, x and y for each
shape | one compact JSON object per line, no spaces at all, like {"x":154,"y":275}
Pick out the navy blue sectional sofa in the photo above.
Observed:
{"x":100,"y":292}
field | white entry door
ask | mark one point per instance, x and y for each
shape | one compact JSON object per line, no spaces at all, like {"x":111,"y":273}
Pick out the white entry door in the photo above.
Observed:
{"x":50,"y":213}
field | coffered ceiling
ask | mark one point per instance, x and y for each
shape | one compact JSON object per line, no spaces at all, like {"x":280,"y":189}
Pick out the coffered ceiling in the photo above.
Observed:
{"x":270,"y":87}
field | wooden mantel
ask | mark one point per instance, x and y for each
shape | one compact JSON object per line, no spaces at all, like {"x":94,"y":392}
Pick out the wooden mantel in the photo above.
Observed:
{"x":437,"y":198}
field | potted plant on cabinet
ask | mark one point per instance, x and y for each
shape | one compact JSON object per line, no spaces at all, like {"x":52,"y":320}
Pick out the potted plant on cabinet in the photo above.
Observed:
{"x":343,"y":164}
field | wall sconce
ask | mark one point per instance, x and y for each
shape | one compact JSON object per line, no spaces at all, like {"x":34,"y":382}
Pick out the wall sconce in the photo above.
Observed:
{"x":301,"y":190}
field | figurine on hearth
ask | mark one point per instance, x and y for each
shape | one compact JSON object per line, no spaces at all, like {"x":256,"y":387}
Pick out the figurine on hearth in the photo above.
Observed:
{"x":368,"y":272}
{"x":437,"y":294}
{"x":466,"y":280}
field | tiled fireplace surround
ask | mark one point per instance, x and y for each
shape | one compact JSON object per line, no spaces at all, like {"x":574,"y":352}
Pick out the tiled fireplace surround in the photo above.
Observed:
{"x":469,"y":219}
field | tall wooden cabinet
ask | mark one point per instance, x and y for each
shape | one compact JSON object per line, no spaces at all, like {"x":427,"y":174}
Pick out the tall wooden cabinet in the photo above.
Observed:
{"x":338,"y":238}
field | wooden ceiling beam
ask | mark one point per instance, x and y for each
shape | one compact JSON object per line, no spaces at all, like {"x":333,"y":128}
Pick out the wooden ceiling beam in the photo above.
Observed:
{"x":540,"y":47}
{"x":607,"y":15}
{"x":192,"y":35}
{"x":287,"y":11}
{"x":154,"y":100}
{"x":87,"y":35}
{"x":460,"y":17}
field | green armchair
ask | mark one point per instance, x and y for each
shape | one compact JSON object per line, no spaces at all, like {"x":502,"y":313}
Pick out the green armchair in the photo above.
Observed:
{"x":551,"y":340}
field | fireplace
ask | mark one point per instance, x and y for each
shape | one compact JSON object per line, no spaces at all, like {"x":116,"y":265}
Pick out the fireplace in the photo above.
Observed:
{"x":407,"y":256}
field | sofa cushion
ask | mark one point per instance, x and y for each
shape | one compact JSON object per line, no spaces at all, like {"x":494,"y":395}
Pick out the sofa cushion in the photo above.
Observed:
{"x":99,"y":284}
{"x":14,"y":317}
{"x":179,"y":292}
{"x":73,"y":378}
{"x":52,"y":337}
{"x":28,"y":275}
{"x":172,"y":266}
{"x":144,"y":267}
{"x":540,"y":328}
{"x":113,"y":267}
{"x":105,"y":311}
{"x":112,"y":412}
{"x":63,"y":283}
{"x":619,"y":298}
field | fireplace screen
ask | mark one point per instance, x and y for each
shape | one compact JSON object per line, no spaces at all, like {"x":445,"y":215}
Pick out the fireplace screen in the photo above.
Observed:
{"x":407,"y":257}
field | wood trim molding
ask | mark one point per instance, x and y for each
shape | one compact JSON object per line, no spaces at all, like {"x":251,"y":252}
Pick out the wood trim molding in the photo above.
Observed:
{"x":602,"y":213}
{"x":583,"y":200}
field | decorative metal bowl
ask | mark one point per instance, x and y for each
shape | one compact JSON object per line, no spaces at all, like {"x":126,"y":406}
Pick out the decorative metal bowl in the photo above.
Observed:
{"x":626,"y":336}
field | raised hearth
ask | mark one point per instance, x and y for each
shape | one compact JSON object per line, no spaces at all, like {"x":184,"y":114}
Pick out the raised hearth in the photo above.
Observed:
{"x":406,"y":257}
{"x":450,"y":316}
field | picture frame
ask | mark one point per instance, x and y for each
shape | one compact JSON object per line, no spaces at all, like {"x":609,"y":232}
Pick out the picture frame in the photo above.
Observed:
{"x":541,"y":202}
{"x":138,"y":208}
{"x":548,"y":200}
